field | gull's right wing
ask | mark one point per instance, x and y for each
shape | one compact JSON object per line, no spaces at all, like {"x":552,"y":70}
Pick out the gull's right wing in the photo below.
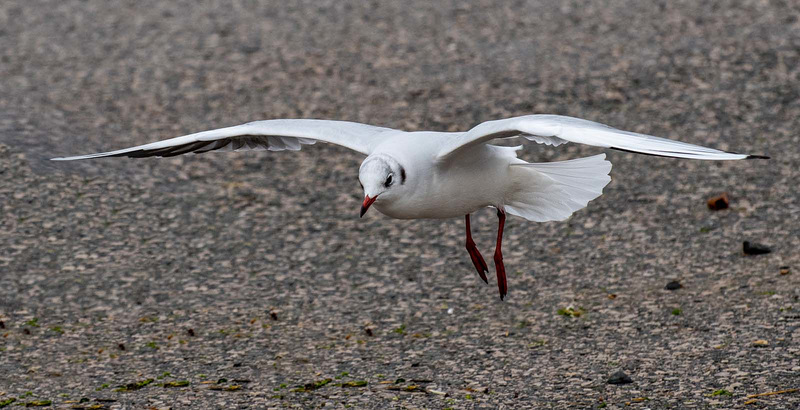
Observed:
{"x":272,"y":135}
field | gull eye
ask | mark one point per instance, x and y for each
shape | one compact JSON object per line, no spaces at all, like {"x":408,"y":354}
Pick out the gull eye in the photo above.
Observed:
{"x":388,"y":182}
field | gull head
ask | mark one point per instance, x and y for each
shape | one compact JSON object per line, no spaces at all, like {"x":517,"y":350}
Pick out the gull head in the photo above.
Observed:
{"x":382,"y":179}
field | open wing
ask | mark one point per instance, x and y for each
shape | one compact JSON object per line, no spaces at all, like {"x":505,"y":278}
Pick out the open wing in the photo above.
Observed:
{"x":556,"y":130}
{"x":272,"y":135}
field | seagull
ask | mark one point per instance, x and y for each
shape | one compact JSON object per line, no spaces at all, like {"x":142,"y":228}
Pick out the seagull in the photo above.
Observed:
{"x":430,"y":174}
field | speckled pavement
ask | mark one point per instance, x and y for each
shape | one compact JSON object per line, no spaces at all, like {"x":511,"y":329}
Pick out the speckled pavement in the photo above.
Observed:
{"x":247,"y":280}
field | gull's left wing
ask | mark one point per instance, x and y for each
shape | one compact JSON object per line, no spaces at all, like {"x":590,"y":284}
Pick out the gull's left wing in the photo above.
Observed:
{"x":556,"y":130}
{"x":272,"y":135}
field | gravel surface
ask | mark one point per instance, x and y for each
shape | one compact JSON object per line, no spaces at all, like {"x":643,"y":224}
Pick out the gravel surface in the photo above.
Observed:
{"x":247,"y":280}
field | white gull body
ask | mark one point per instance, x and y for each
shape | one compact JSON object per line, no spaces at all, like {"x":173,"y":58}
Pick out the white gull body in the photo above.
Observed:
{"x":429,"y":174}
{"x":478,"y":177}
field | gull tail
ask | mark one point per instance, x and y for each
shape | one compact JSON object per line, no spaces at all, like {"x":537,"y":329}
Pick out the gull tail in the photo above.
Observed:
{"x":552,"y":191}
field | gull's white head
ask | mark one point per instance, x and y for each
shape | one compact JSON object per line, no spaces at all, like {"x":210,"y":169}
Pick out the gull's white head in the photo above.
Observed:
{"x":382,"y":178}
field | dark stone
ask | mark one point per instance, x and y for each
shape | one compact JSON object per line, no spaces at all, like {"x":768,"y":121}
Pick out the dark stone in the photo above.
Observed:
{"x":674,"y":285}
{"x":619,"y":378}
{"x":755,"y":248}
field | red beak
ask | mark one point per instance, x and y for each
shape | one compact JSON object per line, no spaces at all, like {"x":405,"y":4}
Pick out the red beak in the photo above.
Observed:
{"x":367,"y":202}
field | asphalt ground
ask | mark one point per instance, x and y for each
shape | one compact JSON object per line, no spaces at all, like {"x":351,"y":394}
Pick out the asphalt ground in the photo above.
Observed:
{"x":247,"y":280}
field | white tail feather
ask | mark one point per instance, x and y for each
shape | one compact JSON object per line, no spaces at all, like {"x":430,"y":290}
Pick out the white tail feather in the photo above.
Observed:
{"x":552,"y":191}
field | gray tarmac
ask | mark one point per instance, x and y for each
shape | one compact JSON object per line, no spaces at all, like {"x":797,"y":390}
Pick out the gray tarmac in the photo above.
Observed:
{"x":247,"y":280}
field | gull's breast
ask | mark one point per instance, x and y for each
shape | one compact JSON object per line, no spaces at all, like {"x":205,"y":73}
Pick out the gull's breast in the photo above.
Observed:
{"x":473,"y":179}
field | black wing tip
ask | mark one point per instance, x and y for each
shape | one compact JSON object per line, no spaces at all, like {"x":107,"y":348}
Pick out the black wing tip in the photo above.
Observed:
{"x":750,"y":156}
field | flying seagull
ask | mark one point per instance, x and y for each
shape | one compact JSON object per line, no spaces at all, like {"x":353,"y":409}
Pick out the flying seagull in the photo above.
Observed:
{"x":428,"y":174}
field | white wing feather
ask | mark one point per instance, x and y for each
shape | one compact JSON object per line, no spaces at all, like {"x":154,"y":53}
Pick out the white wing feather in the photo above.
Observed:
{"x":557,"y":129}
{"x":272,"y":135}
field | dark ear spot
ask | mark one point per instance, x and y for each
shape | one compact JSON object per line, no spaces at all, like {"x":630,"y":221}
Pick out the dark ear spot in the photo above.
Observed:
{"x":402,"y":175}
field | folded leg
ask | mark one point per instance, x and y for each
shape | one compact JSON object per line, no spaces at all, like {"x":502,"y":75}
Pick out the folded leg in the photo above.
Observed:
{"x":475,"y":255}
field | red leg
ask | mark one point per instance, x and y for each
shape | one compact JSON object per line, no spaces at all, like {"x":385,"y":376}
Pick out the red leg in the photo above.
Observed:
{"x":502,"y":284}
{"x":475,"y":255}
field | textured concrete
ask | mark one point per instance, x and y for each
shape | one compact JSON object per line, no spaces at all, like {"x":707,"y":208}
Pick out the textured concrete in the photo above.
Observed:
{"x":255,"y":268}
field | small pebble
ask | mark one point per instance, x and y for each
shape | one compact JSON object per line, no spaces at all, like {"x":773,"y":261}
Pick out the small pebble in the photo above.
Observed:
{"x":755,"y":248}
{"x":674,"y":285}
{"x":761,"y":343}
{"x":619,"y":378}
{"x":719,"y":202}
